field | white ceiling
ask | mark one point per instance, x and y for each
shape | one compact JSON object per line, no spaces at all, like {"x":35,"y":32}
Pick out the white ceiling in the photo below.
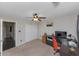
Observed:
{"x":26,"y":9}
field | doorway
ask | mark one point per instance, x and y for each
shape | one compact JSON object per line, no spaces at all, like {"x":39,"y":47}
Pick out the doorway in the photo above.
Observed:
{"x":8,"y":35}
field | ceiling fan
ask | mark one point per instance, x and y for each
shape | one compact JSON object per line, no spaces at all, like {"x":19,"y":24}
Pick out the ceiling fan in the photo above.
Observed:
{"x":36,"y":17}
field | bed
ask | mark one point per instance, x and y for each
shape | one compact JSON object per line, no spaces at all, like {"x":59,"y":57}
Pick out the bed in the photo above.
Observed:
{"x":32,"y":48}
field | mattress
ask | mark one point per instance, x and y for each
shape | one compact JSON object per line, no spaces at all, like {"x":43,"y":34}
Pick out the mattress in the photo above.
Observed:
{"x":32,"y":48}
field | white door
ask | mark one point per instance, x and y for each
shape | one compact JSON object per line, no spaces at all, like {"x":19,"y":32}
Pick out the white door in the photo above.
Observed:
{"x":31,"y":32}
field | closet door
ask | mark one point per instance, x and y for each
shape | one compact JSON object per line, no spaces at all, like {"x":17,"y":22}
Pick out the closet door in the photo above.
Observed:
{"x":78,"y":29}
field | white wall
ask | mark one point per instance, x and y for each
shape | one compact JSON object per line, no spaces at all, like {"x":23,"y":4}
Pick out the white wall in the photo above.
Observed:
{"x":67,"y":23}
{"x":28,"y":30}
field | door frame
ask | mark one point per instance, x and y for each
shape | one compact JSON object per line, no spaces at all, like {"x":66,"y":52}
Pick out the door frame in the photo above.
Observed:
{"x":14,"y":30}
{"x":77,"y":29}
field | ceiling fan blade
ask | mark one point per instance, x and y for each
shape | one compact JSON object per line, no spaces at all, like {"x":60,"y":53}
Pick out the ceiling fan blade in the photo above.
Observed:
{"x":42,"y":17}
{"x":28,"y":17}
{"x":39,"y":20}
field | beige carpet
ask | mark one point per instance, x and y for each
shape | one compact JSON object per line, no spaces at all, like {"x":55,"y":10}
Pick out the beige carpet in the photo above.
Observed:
{"x":33,"y":48}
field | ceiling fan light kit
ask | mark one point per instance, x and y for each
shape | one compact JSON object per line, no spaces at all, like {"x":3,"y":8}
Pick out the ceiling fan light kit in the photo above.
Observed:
{"x":36,"y":17}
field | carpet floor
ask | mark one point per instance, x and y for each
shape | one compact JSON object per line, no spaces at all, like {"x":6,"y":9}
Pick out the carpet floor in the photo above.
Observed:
{"x":32,"y":48}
